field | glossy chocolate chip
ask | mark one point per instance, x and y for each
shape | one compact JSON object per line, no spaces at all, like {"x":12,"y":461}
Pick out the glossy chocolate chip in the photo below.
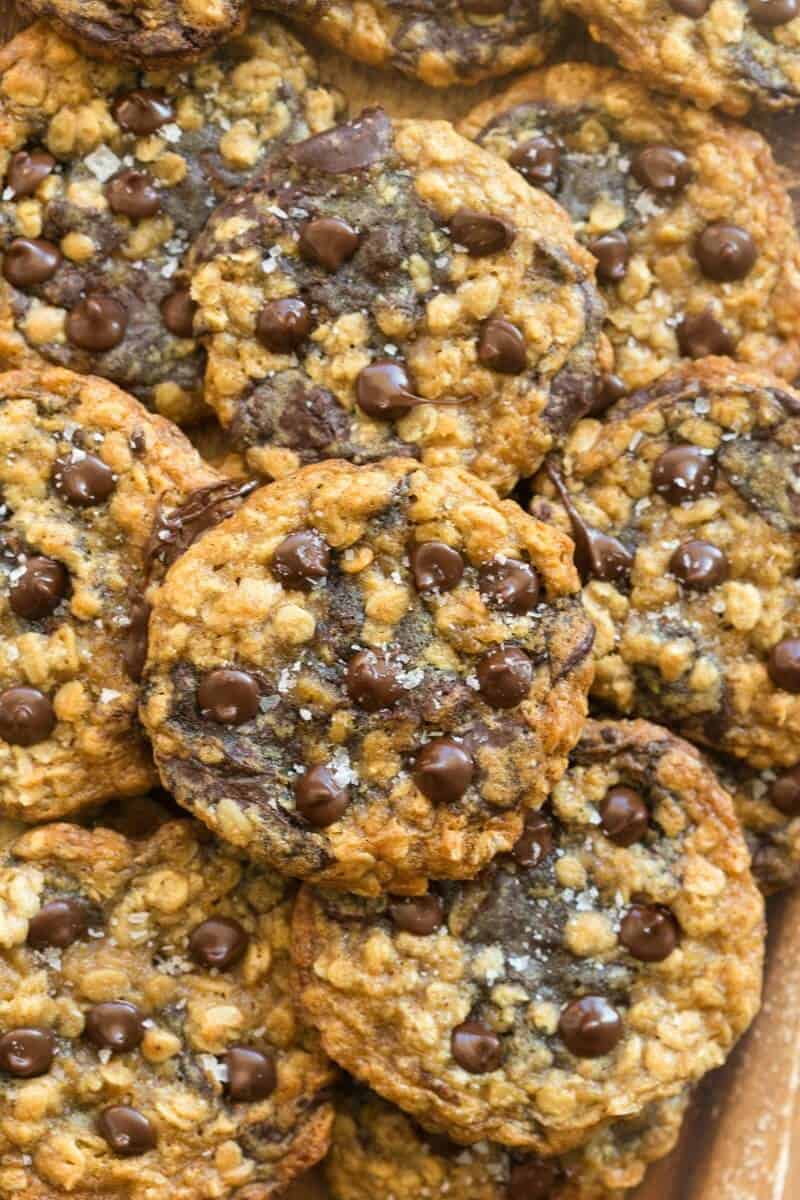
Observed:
{"x":535,"y":842}
{"x":784,"y":793}
{"x":328,"y":242}
{"x":27,"y":1052}
{"x":301,"y":560}
{"x":97,"y":323}
{"x":83,"y":480}
{"x":115,"y":1025}
{"x":599,"y":555}
{"x":700,"y":335}
{"x":251,"y":1074}
{"x":372,"y":681}
{"x":661,"y":168}
{"x":436,"y":567}
{"x":608,"y":389}
{"x":219,"y":942}
{"x":699,"y":565}
{"x":128,"y":1132}
{"x":27,"y":169}
{"x":142,"y":111}
{"x":177,"y":312}
{"x":384,"y":390}
{"x":684,"y":473}
{"x":443,"y":771}
{"x":59,"y":923}
{"x":534,"y":1179}
{"x":134,"y":646}
{"x":476,"y":1048}
{"x":319,"y":798}
{"x":501,"y":347}
{"x":30,"y":261}
{"x":26,"y":716}
{"x":612,"y":251}
{"x":282,"y":325}
{"x":480,"y":233}
{"x":649,"y":931}
{"x":772,"y":13}
{"x":509,"y":584}
{"x":624,"y":816}
{"x":694,"y":9}
{"x":725,"y":252}
{"x":228,"y":696}
{"x":349,"y":147}
{"x":420,"y":915}
{"x":133,"y":194}
{"x":39,"y":590}
{"x":538,"y":160}
{"x":590,"y":1027}
{"x":783,"y":664}
{"x":505,"y":676}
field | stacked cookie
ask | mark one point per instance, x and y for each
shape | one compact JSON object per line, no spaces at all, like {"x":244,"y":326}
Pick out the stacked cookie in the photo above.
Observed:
{"x":392,"y":765}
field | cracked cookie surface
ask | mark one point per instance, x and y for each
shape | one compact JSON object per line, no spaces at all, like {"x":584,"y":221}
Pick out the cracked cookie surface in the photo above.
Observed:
{"x":368,"y":674}
{"x":149,"y":1047}
{"x":611,"y":960}
{"x":390,"y":288}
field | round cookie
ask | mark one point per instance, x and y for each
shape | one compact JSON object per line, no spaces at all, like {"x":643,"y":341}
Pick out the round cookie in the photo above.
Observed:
{"x":610,"y":961}
{"x":107,"y":174}
{"x":725,"y":53}
{"x":149,"y":1047}
{"x":84,"y":473}
{"x":389,"y":288}
{"x":683,"y":506}
{"x":378,"y":1150}
{"x":768,"y":805}
{"x":367,"y":674}
{"x":687,"y":215}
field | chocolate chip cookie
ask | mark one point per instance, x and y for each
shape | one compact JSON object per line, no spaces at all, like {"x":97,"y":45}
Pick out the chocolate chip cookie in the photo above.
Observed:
{"x":107,"y":173}
{"x":611,"y":960}
{"x":389,"y":288}
{"x":768,"y":806}
{"x":685,"y":513}
{"x":686,"y":214}
{"x":367,"y":674}
{"x":84,"y":472}
{"x":149,"y":1047}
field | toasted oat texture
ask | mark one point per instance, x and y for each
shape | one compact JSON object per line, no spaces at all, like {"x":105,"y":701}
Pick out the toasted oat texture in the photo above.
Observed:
{"x":718,"y":53}
{"x":643,"y":178}
{"x":141,"y":1070}
{"x":377,"y":1150}
{"x":108,"y":173}
{"x":695,"y":598}
{"x":84,"y":472}
{"x":768,"y":806}
{"x":389,"y":288}
{"x":613,"y":959}
{"x":336,"y":685}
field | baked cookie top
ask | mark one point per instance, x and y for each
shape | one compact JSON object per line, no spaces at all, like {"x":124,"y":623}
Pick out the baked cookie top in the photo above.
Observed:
{"x":687,"y":215}
{"x":367,"y":674}
{"x":613,"y":958}
{"x":149,"y":1048}
{"x":390,"y":288}
{"x":108,"y":173}
{"x":768,"y":806}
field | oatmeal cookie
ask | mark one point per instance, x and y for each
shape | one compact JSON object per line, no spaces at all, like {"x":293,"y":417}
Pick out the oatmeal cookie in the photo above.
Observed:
{"x":690,"y":222}
{"x":610,"y":961}
{"x":768,"y":806}
{"x":684,"y":508}
{"x":390,"y":288}
{"x":149,"y":1047}
{"x":107,"y":173}
{"x":369,"y":673}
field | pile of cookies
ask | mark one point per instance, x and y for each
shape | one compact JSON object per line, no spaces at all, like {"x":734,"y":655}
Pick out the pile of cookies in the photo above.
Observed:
{"x":393,"y":760}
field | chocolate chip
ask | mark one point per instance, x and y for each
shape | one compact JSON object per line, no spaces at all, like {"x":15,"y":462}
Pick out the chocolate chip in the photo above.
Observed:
{"x":27,"y":169}
{"x":349,"y":147}
{"x":649,"y":931}
{"x":683,"y":473}
{"x":480,"y":233}
{"x":97,"y":323}
{"x":612,"y":251}
{"x":662,"y":168}
{"x":443,"y":770}
{"x":127,"y":1131}
{"x":319,"y":798}
{"x":534,"y":1179}
{"x":590,"y":1027}
{"x":624,"y":816}
{"x":701,"y":335}
{"x":509,"y":584}
{"x":228,"y":696}
{"x":142,"y":111}
{"x":301,"y":560}
{"x":535,"y":842}
{"x":282,"y":325}
{"x":133,"y":194}
{"x":608,"y":389}
{"x":59,"y":923}
{"x":177,"y":312}
{"x":115,"y":1025}
{"x":39,"y":590}
{"x":436,"y":567}
{"x":251,"y":1074}
{"x":28,"y":261}
{"x":694,"y":9}
{"x":384,"y":390}
{"x":218,"y":942}
{"x":783,"y":664}
{"x":372,"y":681}
{"x":420,"y":915}
{"x":328,"y":242}
{"x":83,"y":480}
{"x":134,"y":646}
{"x":784,"y":793}
{"x":501,"y":347}
{"x":505,"y":676}
{"x":476,"y":1048}
{"x":773,"y":12}
{"x":725,"y":252}
{"x":538,"y":160}
{"x":597,"y":555}
{"x":699,"y":565}
{"x":28,"y":1052}
{"x":26,"y":716}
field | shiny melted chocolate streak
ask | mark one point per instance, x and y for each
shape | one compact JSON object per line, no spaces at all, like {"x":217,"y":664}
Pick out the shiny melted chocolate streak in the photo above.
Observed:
{"x":176,"y":530}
